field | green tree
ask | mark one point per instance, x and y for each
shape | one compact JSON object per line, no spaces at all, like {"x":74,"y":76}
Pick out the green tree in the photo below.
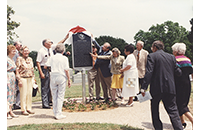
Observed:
{"x":11,"y":25}
{"x":33,"y":55}
{"x":190,"y":35}
{"x":169,"y":33}
{"x":114,"y":42}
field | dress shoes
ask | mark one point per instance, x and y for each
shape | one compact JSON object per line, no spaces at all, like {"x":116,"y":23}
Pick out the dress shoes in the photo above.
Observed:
{"x":130,"y":105}
{"x":25,"y":113}
{"x":100,"y":98}
{"x":30,"y":112}
{"x":9,"y":117}
{"x":46,"y":107}
{"x":14,"y":116}
{"x":60,"y":117}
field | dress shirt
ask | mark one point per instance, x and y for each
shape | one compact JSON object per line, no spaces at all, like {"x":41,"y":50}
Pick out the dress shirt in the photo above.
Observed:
{"x":58,"y":63}
{"x":43,"y":55}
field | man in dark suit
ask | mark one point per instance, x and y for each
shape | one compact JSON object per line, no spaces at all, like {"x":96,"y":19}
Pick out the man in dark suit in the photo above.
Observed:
{"x":160,"y":70}
{"x":103,"y":70}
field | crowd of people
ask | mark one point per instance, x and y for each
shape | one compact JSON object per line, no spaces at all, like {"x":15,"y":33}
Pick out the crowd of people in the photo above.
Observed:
{"x":167,"y":74}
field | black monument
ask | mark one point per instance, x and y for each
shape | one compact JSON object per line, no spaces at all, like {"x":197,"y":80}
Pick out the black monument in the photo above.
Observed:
{"x":81,"y":49}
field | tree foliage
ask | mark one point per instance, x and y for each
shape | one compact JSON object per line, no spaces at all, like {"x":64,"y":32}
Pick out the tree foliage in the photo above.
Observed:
{"x":33,"y":55}
{"x":114,"y":42}
{"x":168,"y":32}
{"x":11,"y":25}
{"x":190,"y":35}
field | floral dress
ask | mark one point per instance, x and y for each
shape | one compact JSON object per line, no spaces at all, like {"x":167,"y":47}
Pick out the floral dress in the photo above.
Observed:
{"x":11,"y":81}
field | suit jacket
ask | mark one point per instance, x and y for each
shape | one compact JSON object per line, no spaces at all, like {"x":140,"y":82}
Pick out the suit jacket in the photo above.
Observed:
{"x":160,"y":70}
{"x":141,"y":65}
{"x":104,"y":65}
{"x":115,"y":66}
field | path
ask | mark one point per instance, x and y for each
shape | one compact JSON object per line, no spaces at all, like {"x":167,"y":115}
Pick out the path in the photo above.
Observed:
{"x":136,"y":116}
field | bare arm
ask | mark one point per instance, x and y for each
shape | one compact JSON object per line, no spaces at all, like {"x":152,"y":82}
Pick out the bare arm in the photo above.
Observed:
{"x":63,"y":40}
{"x":68,"y":77}
{"x":126,"y":68}
{"x":40,"y":70}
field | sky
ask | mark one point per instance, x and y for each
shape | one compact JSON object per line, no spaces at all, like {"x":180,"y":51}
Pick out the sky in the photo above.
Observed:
{"x":41,"y":19}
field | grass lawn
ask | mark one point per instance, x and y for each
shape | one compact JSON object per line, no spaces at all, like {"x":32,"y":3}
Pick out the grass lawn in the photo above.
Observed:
{"x":74,"y":91}
{"x":74,"y":126}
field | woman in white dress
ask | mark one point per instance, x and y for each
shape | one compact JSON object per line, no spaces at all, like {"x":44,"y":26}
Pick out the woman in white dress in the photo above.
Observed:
{"x":130,"y":72}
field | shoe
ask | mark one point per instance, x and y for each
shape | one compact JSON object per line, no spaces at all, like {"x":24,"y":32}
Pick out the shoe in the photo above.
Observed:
{"x":184,"y":125}
{"x":14,"y":116}
{"x":30,"y":112}
{"x":130,"y":105}
{"x":48,"y":107}
{"x":100,"y":98}
{"x":60,"y":117}
{"x":9,"y":117}
{"x":25,"y":113}
{"x":120,"y":97}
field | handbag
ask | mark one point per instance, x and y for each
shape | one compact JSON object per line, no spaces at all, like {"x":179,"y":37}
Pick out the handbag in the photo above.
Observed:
{"x":35,"y":89}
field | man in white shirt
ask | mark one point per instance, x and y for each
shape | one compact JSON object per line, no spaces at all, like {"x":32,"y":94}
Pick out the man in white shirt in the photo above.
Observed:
{"x":43,"y":55}
{"x":59,"y":75}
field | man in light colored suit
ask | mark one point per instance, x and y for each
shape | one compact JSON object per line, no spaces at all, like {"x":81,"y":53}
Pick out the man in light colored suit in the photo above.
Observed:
{"x":141,"y":57}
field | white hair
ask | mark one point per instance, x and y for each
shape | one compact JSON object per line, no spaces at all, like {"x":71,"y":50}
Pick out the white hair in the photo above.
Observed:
{"x":60,"y":48}
{"x":180,"y":48}
{"x":141,"y":43}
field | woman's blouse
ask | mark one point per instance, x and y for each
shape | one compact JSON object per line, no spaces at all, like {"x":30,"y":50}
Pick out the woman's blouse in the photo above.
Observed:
{"x":25,"y":67}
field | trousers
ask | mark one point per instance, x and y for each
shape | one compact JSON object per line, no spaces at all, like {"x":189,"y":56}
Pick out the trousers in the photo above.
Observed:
{"x":26,"y":93}
{"x":169,"y":101}
{"x":58,"y":85}
{"x":92,"y":77}
{"x":45,"y":88}
{"x":105,"y":83}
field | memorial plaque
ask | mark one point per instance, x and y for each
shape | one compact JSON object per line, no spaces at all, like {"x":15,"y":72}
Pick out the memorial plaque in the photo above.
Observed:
{"x":81,"y":49}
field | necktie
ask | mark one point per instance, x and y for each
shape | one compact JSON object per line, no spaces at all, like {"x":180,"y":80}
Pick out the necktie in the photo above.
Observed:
{"x":49,"y":53}
{"x":138,"y":56}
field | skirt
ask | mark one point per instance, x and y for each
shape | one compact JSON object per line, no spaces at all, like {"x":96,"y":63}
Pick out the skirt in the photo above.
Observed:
{"x":117,"y":82}
{"x":11,"y":88}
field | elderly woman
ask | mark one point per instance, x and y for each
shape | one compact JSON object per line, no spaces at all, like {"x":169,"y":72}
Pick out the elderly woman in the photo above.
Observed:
{"x":183,"y":84}
{"x":59,"y":74}
{"x":130,"y":83}
{"x":11,"y":85}
{"x":116,"y":64}
{"x":25,"y":76}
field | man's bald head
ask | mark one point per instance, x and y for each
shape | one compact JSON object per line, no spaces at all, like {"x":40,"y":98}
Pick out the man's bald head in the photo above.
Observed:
{"x":106,"y":46}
